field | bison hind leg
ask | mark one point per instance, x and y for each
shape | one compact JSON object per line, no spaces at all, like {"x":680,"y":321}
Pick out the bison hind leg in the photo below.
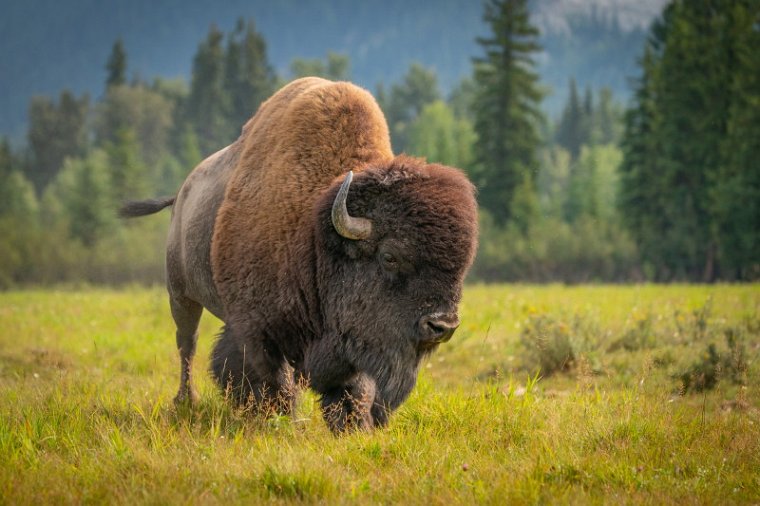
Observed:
{"x":186,"y":314}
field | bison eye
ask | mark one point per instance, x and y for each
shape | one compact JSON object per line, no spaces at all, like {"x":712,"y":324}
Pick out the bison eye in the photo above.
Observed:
{"x":389,"y":260}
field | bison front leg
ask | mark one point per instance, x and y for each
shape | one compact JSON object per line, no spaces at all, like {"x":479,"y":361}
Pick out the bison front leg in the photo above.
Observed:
{"x":346,"y":396}
{"x":252,"y":376}
{"x":350,"y":406}
{"x":350,"y":399}
{"x":187,"y":315}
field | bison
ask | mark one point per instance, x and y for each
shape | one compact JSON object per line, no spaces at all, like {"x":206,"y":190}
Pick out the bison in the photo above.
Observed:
{"x":326,"y":257}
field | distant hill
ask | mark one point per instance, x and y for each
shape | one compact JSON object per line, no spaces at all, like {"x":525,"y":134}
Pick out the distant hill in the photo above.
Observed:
{"x":49,"y":45}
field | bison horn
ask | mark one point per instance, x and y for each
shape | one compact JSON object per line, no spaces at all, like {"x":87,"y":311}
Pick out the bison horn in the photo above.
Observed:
{"x":345,"y":224}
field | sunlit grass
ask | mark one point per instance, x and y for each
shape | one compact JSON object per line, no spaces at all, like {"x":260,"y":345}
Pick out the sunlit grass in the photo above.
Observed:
{"x":87,"y":378}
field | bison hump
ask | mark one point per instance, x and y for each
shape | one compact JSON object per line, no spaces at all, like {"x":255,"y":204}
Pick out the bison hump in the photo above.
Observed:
{"x":299,"y":141}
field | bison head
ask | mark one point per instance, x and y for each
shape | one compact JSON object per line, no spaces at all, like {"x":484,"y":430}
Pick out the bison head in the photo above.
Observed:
{"x":394,"y":245}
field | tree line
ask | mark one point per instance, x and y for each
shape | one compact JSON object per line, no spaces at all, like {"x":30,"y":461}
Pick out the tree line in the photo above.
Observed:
{"x":690,"y":191}
{"x":665,"y":190}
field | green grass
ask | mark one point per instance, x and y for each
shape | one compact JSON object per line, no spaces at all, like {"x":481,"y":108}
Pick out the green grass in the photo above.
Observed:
{"x":86,"y":415}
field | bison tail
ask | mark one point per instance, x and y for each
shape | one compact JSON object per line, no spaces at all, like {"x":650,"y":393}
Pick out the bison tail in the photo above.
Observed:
{"x":135,"y":208}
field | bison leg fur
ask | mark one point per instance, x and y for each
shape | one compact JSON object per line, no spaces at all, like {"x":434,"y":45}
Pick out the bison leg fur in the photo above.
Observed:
{"x":253,"y":378}
{"x":187,"y":315}
{"x":380,"y":412}
{"x":351,"y":406}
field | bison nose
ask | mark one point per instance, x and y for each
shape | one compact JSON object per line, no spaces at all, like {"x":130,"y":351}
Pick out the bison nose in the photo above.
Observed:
{"x":438,"y":327}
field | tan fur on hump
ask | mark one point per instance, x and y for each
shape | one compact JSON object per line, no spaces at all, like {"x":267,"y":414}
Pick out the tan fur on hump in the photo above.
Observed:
{"x":304,"y":136}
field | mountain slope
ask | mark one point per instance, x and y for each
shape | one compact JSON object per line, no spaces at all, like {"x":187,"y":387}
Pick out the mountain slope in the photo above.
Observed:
{"x":48,"y":45}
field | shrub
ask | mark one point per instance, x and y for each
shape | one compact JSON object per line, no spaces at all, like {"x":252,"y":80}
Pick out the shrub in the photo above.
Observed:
{"x":712,"y":366}
{"x":553,"y":250}
{"x":694,"y":327}
{"x":549,"y":345}
{"x":640,"y":336}
{"x":704,"y":373}
{"x":735,"y":361}
{"x":554,"y":345}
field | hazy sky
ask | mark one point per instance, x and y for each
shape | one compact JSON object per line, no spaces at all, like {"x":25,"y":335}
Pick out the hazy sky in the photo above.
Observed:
{"x":552,"y":14}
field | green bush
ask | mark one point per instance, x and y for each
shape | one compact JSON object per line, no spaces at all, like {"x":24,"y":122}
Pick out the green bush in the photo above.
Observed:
{"x":554,"y":345}
{"x":640,"y":336}
{"x":713,"y":365}
{"x":550,"y":345}
{"x":554,"y":250}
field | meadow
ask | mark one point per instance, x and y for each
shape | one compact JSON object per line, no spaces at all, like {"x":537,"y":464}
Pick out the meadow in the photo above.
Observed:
{"x":546,"y":394}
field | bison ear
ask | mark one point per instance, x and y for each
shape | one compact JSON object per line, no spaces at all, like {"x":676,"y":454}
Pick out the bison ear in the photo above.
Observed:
{"x":346,"y":225}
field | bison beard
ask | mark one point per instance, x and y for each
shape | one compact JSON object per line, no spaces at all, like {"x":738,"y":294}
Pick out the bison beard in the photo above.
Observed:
{"x":321,"y":277}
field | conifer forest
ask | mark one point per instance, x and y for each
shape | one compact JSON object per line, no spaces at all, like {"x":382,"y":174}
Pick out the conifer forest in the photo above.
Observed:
{"x":661,"y":186}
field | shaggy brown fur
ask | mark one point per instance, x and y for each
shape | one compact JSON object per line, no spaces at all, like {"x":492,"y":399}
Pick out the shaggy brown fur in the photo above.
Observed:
{"x":301,"y":139}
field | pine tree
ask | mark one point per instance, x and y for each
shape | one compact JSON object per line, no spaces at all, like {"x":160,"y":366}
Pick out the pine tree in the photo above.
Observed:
{"x":117,"y":65}
{"x":188,"y":150}
{"x":590,"y":122}
{"x":248,"y":76}
{"x":418,"y":89}
{"x":17,"y":198}
{"x":305,"y":67}
{"x":440,"y":137}
{"x":506,"y":108}
{"x":146,"y":111}
{"x":128,"y":174}
{"x":735,"y":195}
{"x":407,"y":99}
{"x":56,"y":131}
{"x":208,"y":103}
{"x":336,"y":67}
{"x":686,"y":163}
{"x":592,"y":184}
{"x":588,"y":102}
{"x":570,"y":130}
{"x":641,"y":201}
{"x":19,"y":227}
{"x":693,"y":107}
{"x":461,"y":99}
{"x":607,"y":121}
{"x":83,"y":190}
{"x":7,"y":160}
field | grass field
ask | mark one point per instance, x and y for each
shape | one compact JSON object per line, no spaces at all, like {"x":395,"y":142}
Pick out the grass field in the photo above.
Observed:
{"x":633,"y":405}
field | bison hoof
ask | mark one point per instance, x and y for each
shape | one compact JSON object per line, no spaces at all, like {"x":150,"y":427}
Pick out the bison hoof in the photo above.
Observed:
{"x":186,"y":397}
{"x":341,"y":422}
{"x":345,"y":413}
